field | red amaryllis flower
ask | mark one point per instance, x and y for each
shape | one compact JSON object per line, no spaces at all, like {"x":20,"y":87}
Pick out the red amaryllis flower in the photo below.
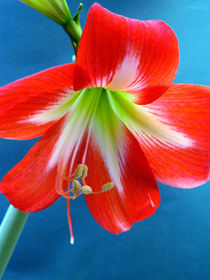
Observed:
{"x":114,"y":110}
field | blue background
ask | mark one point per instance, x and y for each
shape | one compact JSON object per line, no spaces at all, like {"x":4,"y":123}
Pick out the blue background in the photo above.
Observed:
{"x":172,"y":244}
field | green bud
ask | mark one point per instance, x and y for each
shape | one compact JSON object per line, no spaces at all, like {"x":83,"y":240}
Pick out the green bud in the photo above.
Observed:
{"x":57,"y":10}
{"x":76,"y":17}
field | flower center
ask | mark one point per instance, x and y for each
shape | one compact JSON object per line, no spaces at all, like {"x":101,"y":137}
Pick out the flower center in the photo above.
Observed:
{"x":99,"y":113}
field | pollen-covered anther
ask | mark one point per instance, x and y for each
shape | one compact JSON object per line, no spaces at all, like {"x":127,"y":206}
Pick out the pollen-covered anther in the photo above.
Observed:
{"x":84,"y":172}
{"x":81,"y":171}
{"x":76,"y":187}
{"x":107,"y":187}
{"x":86,"y":190}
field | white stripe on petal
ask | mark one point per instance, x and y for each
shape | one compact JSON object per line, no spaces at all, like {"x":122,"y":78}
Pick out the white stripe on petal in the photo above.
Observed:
{"x":74,"y":128}
{"x":125,"y":74}
{"x":53,"y":111}
{"x":152,"y":126}
{"x":113,"y":156}
{"x":139,"y":120}
{"x":108,"y":133}
{"x":69,"y":138}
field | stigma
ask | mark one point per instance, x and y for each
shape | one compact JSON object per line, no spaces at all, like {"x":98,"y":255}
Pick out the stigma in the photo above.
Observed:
{"x":76,"y":190}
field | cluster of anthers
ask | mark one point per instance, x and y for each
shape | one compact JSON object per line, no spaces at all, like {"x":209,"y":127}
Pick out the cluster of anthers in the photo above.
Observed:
{"x":77,"y":189}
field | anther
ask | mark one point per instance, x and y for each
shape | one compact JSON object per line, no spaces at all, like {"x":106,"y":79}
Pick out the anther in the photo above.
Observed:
{"x":84,"y":172}
{"x":107,"y":187}
{"x":86,"y":190}
{"x":76,"y":187}
{"x":81,"y":171}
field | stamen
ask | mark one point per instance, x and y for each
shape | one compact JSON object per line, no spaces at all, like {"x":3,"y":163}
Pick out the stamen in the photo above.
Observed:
{"x":107,"y":187}
{"x":68,"y":179}
{"x":81,"y":171}
{"x":86,"y":190}
{"x":84,"y":172}
{"x":64,"y":177}
{"x":76,"y":187}
{"x":63,"y":190}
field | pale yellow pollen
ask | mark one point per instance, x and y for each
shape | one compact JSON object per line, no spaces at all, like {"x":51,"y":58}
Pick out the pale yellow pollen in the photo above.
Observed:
{"x":84,"y":172}
{"x":86,"y":190}
{"x":76,"y":187}
{"x":81,"y":171}
{"x":107,"y":187}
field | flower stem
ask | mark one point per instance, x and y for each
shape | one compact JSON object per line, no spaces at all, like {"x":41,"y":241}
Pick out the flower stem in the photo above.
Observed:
{"x":74,"y":31}
{"x":10,"y":230}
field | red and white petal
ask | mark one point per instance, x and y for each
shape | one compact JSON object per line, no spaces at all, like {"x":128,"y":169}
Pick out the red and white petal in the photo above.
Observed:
{"x":30,"y":185}
{"x":185,"y":109}
{"x":22,"y":101}
{"x":127,"y":55}
{"x":135,"y":195}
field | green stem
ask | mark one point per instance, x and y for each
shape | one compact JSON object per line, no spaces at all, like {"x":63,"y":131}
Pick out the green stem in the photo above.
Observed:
{"x":74,"y":31}
{"x":10,"y":230}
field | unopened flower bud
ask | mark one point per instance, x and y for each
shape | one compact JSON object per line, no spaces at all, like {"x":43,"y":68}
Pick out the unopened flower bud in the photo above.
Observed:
{"x":56,"y":10}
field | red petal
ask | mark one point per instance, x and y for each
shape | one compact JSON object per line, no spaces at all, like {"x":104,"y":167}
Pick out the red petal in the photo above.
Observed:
{"x":185,"y":108}
{"x":116,"y":210}
{"x":30,"y":185}
{"x":127,"y":55}
{"x":22,"y":99}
